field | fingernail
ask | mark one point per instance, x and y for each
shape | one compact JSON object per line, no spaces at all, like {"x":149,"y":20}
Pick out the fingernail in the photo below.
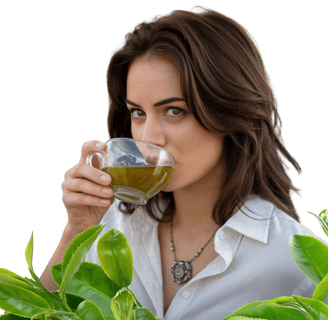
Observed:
{"x":99,"y":145}
{"x":104,"y":177}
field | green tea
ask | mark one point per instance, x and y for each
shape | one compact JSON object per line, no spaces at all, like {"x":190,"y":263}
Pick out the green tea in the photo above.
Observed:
{"x":136,"y":184}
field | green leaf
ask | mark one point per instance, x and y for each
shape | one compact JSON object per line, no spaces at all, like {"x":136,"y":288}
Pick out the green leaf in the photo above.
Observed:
{"x":73,"y":300}
{"x":29,"y":258}
{"x":122,"y":304}
{"x":143,"y":314}
{"x":57,"y":273}
{"x":20,"y":301}
{"x":9,"y":277}
{"x":324,"y":215}
{"x":286,"y":302}
{"x":77,"y":241}
{"x":323,"y":219}
{"x":47,"y":295}
{"x":242,"y":318}
{"x":265,"y":310}
{"x":316,"y":309}
{"x":76,"y":251}
{"x":29,"y":252}
{"x":92,"y":283}
{"x":321,"y":291}
{"x":5,"y":272}
{"x":88,"y":310}
{"x":15,"y":281}
{"x":115,"y":257}
{"x":310,"y":254}
{"x":64,"y":315}
{"x":90,"y":277}
{"x":32,"y":282}
{"x":10,"y":316}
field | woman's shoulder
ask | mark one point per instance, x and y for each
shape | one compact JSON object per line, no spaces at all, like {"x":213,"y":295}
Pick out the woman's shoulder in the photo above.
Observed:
{"x":284,"y":224}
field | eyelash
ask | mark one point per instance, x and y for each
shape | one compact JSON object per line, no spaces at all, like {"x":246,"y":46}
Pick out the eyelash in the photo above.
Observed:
{"x":182,"y":112}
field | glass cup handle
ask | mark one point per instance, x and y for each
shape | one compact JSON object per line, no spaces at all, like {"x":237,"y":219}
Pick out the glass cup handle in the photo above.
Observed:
{"x":90,"y":156}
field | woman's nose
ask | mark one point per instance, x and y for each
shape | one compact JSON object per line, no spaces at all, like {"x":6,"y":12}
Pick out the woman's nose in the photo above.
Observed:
{"x":153,"y":133}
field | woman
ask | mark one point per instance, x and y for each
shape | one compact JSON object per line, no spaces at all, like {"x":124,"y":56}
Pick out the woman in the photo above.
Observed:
{"x":195,"y":85}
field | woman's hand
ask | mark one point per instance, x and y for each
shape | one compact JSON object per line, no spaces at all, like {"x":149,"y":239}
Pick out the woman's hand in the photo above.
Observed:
{"x":86,"y":192}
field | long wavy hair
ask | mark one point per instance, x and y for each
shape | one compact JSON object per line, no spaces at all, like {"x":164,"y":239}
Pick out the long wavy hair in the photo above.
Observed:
{"x":227,"y":89}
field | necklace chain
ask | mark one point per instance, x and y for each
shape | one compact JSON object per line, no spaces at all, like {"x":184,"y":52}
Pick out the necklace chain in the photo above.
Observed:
{"x":181,"y":270}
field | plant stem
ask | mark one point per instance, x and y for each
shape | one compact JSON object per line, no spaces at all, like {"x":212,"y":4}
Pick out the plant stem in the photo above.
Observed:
{"x":58,"y":314}
{"x":66,"y":306}
{"x":63,"y":302}
{"x":38,"y":315}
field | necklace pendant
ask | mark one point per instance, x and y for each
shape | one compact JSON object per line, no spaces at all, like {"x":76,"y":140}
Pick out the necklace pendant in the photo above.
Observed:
{"x":180,"y":271}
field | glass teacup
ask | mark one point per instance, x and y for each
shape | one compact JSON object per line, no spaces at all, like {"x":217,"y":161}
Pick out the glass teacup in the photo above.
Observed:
{"x":139,"y":170}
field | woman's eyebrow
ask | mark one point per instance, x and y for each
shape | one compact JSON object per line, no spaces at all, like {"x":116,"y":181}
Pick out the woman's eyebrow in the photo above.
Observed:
{"x":157,"y":104}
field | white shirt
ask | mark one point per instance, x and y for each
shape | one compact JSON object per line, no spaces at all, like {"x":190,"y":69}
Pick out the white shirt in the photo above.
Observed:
{"x":254,"y":263}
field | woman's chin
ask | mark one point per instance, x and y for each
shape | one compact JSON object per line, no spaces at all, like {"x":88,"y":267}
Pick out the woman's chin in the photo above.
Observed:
{"x":171,"y":185}
{"x":168,"y":187}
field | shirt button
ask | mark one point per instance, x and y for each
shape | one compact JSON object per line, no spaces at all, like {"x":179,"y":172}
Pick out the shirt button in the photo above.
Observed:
{"x":221,"y":235}
{"x":185,"y":294}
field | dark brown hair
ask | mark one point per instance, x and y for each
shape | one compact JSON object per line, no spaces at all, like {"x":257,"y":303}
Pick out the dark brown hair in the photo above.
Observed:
{"x":227,"y":89}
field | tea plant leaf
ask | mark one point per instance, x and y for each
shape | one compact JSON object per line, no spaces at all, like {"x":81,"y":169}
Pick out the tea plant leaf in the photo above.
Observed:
{"x":77,"y":241}
{"x":90,"y":276}
{"x":84,"y":242}
{"x":321,"y":291}
{"x":92,"y":283}
{"x":15,"y":276}
{"x":143,"y":314}
{"x":21,"y":302}
{"x":242,"y":318}
{"x":73,"y":300}
{"x":286,"y":302}
{"x":88,"y":310}
{"x":31,"y":282}
{"x":7,"y":279}
{"x":324,"y":215}
{"x":63,"y":315}
{"x":323,"y":219}
{"x":57,"y":273}
{"x":122,"y":304}
{"x":115,"y":257}
{"x":266,"y":310}
{"x":310,"y":254}
{"x":29,"y":258}
{"x":47,"y":295}
{"x":316,"y":309}
{"x":29,"y":251}
{"x":10,"y":316}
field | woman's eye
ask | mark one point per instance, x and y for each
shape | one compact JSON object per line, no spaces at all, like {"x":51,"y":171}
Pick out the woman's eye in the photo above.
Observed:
{"x":171,"y":111}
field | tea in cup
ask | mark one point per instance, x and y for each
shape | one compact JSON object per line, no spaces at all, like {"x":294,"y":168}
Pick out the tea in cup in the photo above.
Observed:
{"x":139,"y":170}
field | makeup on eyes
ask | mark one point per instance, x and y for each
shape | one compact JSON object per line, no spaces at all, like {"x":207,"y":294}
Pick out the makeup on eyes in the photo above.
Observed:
{"x":182,"y":112}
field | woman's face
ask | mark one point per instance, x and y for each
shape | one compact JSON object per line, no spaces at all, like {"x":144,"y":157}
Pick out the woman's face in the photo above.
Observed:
{"x":171,"y":125}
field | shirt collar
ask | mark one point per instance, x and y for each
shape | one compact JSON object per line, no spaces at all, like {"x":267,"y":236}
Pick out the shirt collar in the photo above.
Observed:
{"x":251,"y":220}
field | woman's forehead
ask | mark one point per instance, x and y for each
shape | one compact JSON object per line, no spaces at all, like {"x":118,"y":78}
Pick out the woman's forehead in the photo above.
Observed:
{"x":159,"y":75}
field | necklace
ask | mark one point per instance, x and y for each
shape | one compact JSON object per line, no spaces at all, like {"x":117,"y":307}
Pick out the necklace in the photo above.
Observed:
{"x":181,"y":270}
